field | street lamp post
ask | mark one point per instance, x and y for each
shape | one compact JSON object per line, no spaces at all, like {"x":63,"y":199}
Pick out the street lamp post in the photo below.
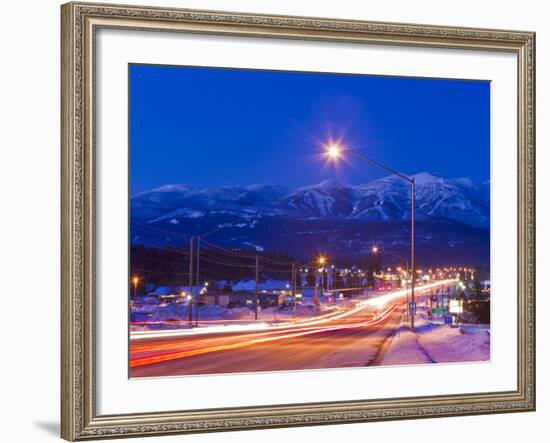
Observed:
{"x":257,"y":298}
{"x":335,"y":151}
{"x":375,"y":250}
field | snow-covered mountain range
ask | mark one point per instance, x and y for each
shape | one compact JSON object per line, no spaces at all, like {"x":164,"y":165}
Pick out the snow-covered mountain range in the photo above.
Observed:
{"x":386,"y":199}
{"x":273,"y":216}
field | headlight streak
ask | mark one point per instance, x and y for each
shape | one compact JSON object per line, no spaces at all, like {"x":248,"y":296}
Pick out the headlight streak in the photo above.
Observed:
{"x":375,"y":302}
{"x":136,"y":349}
{"x":158,"y":358}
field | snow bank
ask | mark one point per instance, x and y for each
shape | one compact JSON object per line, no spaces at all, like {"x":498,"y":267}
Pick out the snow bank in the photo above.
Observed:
{"x":161,"y":317}
{"x":171,"y":316}
{"x":437,"y":343}
{"x":446,"y":344}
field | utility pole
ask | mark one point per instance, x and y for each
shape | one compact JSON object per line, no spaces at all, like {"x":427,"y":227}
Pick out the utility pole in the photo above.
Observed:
{"x":196,"y":313}
{"x":257,"y":295}
{"x":198,"y":258}
{"x":322,"y":282}
{"x":190,"y":295}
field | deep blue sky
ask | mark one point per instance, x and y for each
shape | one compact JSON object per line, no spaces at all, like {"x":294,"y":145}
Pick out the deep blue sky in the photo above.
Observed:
{"x":212,"y":127}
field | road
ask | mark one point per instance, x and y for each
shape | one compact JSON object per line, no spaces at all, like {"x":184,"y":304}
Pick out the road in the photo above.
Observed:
{"x":352,"y":340}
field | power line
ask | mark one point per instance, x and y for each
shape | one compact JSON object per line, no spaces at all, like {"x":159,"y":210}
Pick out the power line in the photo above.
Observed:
{"x":162,"y":231}
{"x":157,"y":261}
{"x":147,"y":271}
{"x":229,"y":251}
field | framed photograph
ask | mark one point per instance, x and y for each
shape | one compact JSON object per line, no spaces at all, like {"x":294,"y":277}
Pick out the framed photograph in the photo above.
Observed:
{"x":277,"y":221}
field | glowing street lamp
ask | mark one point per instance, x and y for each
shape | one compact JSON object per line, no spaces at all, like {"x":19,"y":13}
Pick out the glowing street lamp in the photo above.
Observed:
{"x":334,"y":152}
{"x":135,"y":282}
{"x":375,"y":249}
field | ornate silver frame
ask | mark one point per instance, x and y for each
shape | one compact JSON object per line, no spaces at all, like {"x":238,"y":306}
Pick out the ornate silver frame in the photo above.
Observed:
{"x":80,"y":21}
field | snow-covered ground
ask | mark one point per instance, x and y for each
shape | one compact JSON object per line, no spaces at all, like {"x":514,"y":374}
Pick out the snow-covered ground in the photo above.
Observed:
{"x":168,"y":316}
{"x":174,"y":316}
{"x":433,"y":342}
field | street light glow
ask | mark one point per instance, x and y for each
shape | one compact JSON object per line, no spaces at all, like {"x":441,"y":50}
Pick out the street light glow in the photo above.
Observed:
{"x":322,"y":260}
{"x":375,"y":249}
{"x":334,"y":151}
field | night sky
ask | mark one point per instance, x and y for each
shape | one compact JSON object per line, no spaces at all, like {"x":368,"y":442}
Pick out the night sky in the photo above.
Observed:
{"x":214,"y":127}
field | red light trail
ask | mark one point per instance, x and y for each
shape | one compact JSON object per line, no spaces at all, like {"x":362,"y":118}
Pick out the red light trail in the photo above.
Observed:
{"x":241,"y":341}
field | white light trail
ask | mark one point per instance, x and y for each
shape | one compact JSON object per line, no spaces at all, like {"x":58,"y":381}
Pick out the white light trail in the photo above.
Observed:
{"x":375,"y":302}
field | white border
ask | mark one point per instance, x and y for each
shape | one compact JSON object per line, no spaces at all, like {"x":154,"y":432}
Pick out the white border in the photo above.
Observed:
{"x":116,"y":394}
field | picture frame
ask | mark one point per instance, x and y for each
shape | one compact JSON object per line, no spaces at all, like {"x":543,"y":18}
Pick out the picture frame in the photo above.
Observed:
{"x":80,"y":23}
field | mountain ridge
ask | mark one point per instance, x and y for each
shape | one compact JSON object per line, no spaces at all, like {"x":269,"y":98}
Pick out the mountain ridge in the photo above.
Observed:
{"x":384,"y":199}
{"x":334,"y":218}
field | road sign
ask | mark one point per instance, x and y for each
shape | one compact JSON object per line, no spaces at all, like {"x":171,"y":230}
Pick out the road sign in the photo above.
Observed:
{"x":412,"y":306}
{"x":439,"y":310}
{"x":448,"y":319}
{"x":455,"y":306}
